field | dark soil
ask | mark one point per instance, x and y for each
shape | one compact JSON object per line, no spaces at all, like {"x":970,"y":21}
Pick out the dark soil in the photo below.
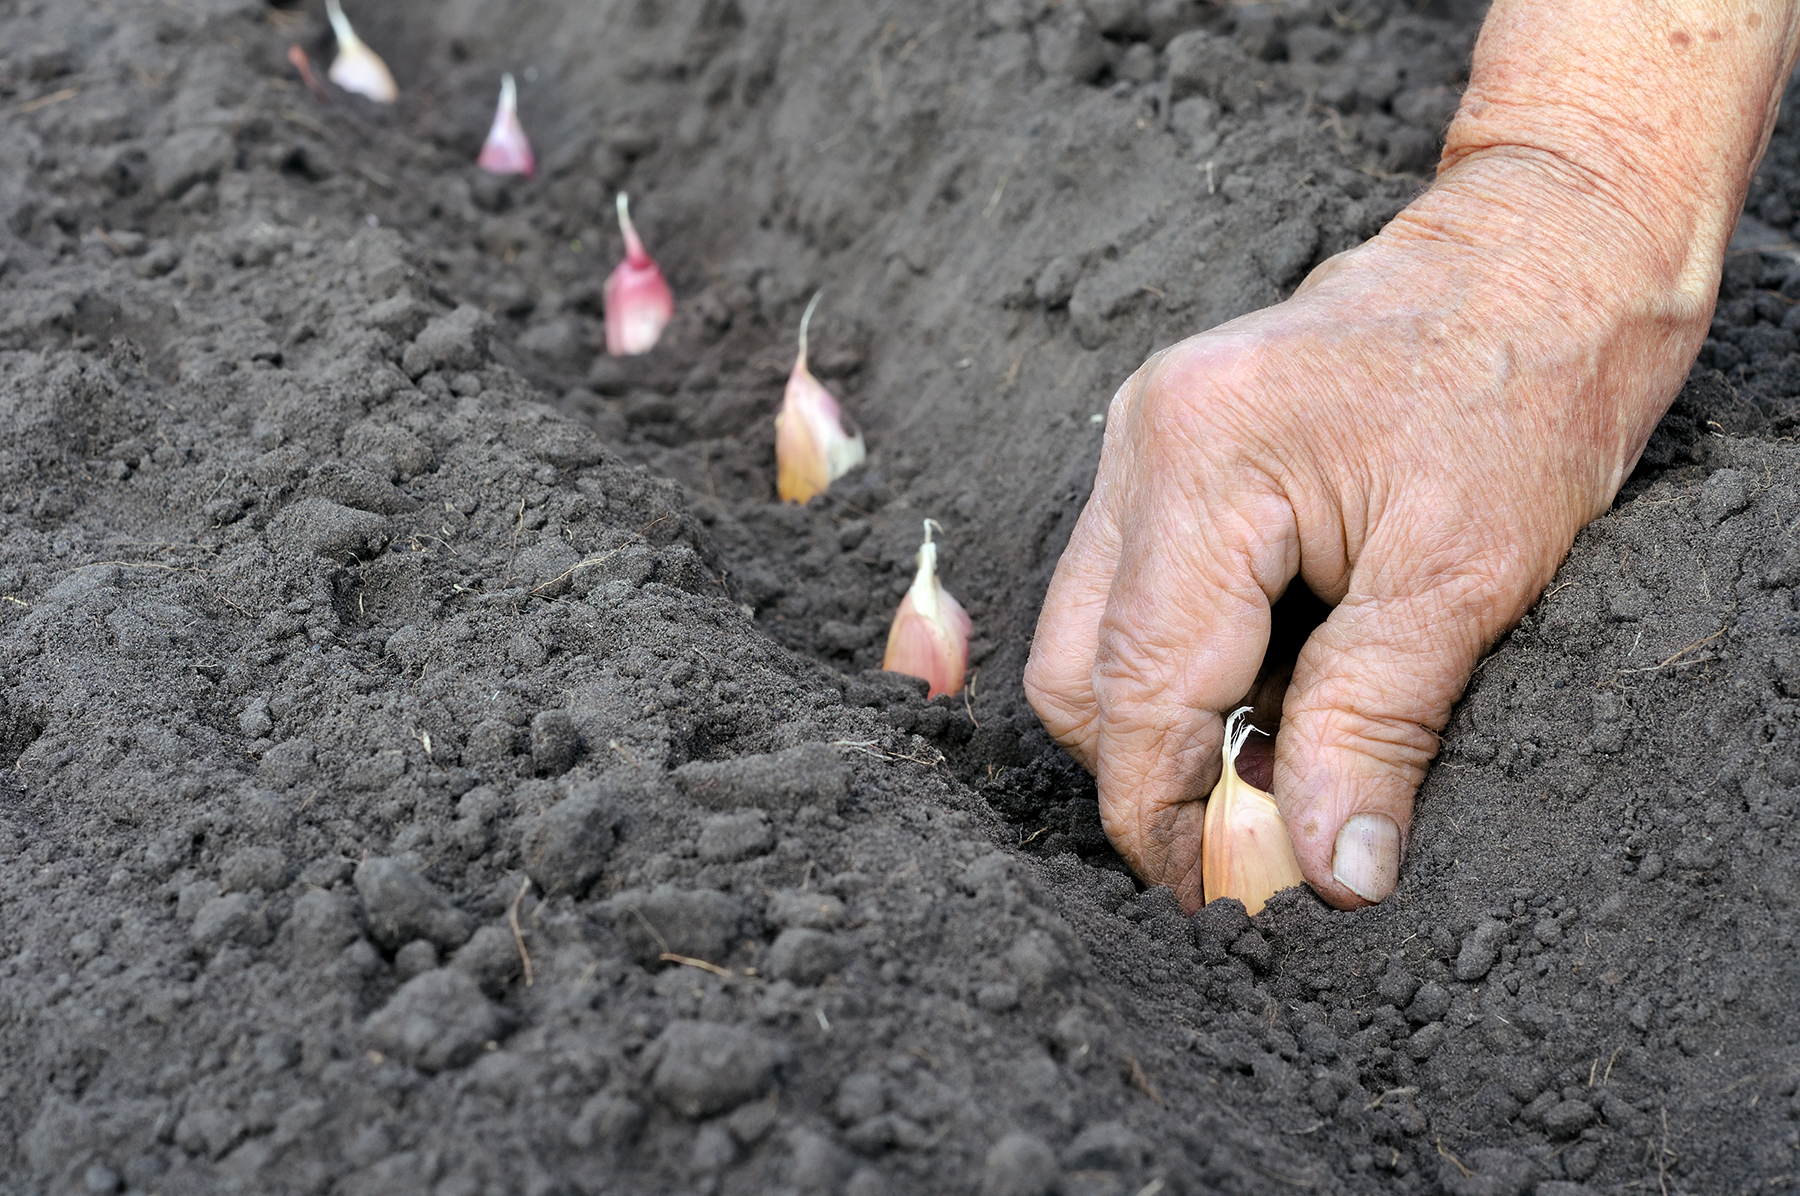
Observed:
{"x":392,"y":686}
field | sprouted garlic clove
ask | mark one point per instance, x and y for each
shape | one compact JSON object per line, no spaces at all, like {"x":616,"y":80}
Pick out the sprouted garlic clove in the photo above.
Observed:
{"x":1245,"y":851}
{"x":812,"y":447}
{"x":930,"y":634}
{"x":639,"y":304}
{"x":357,"y":68}
{"x":507,"y":150}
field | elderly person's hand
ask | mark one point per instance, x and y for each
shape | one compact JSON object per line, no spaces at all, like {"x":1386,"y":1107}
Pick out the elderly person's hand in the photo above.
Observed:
{"x":1417,"y":435}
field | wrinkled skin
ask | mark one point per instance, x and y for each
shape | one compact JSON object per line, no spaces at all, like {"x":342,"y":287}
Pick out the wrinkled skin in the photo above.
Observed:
{"x":1418,"y":434}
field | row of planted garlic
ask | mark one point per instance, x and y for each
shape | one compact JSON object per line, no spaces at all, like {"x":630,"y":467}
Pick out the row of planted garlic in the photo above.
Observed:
{"x":929,"y":637}
{"x":1245,"y":849}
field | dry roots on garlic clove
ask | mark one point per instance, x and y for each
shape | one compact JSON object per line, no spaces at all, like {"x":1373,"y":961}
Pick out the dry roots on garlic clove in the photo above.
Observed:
{"x":930,"y":635}
{"x":639,"y":304}
{"x":812,"y":449}
{"x":506,"y":150}
{"x":356,"y":67}
{"x":1245,"y":851}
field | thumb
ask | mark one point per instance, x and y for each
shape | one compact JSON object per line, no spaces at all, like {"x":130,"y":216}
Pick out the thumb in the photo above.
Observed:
{"x":1372,"y":688}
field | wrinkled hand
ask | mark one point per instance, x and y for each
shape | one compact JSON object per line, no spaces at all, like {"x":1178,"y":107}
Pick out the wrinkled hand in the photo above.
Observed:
{"x":1418,"y":434}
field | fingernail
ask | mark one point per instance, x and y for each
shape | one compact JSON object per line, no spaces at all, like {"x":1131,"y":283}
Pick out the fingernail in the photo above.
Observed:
{"x":1366,"y":858}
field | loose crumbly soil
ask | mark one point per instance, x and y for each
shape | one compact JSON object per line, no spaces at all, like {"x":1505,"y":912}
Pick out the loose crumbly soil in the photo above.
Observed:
{"x":431,"y":761}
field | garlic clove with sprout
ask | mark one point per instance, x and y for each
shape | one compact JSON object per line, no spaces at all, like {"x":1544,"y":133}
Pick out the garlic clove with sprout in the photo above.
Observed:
{"x":930,"y":634}
{"x":639,"y":304}
{"x":1245,"y":851}
{"x":506,"y":150}
{"x":812,"y":449}
{"x":357,"y":68}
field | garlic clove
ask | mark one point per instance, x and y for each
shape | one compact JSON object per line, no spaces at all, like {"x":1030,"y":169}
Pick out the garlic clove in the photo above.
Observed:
{"x":639,"y":304}
{"x":357,"y":68}
{"x":812,"y":448}
{"x":507,"y":151}
{"x":1245,"y":851}
{"x":930,"y":634}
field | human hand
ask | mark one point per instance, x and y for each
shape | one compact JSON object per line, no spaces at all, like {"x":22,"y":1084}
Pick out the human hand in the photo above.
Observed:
{"x":1418,"y":434}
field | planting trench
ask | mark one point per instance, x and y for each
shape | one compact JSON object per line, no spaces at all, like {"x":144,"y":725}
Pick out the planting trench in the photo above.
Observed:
{"x":305,"y":438}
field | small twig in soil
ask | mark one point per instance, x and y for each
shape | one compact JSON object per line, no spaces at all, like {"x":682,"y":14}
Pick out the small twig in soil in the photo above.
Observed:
{"x":130,"y":565}
{"x":706,"y":468}
{"x":654,"y":932}
{"x":220,"y":595}
{"x":579,"y":565}
{"x":1739,"y":1083}
{"x":1140,"y":1079}
{"x":416,"y":542}
{"x":55,"y":97}
{"x":913,"y":42}
{"x":1000,"y":190}
{"x":1676,"y":661}
{"x":1012,"y":373}
{"x":848,"y":506}
{"x":930,"y":1060}
{"x":616,"y":746}
{"x":1444,"y":1152}
{"x":512,"y":919}
{"x":867,"y":747}
{"x":1662,"y":1169}
{"x":688,"y":961}
{"x":518,"y":530}
{"x":969,"y":699}
{"x":1408,"y":1093}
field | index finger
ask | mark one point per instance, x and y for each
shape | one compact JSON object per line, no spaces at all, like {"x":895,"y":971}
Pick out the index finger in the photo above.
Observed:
{"x":1183,"y":637}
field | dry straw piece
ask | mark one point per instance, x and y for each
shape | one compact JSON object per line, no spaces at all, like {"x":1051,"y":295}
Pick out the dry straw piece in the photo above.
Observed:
{"x":1245,"y":851}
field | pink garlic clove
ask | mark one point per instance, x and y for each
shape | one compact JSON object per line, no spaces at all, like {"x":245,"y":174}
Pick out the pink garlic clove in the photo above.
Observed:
{"x":812,"y":448}
{"x":930,"y":634}
{"x":639,"y":303}
{"x":507,"y":151}
{"x":357,"y":68}
{"x":303,"y":64}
